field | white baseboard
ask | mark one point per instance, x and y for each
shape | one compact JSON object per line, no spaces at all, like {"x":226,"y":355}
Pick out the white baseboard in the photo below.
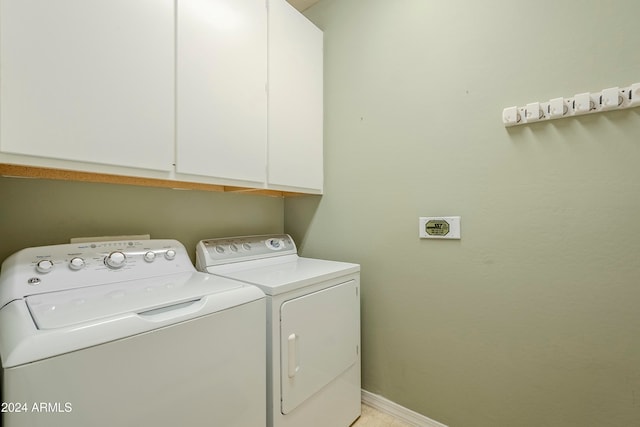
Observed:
{"x":397,"y":411}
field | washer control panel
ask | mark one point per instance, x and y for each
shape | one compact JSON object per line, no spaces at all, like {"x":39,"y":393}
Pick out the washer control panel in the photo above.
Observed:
{"x":235,"y":249}
{"x":60,"y":267}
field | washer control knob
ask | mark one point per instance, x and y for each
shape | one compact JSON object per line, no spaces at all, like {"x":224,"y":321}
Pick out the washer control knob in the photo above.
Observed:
{"x":220,"y":249}
{"x":233,"y":248}
{"x":170,"y":254}
{"x":150,"y":256}
{"x":115,"y":260}
{"x":76,"y":263}
{"x":44,"y":266}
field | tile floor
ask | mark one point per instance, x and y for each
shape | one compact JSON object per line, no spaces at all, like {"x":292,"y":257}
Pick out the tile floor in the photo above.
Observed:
{"x":373,"y":418}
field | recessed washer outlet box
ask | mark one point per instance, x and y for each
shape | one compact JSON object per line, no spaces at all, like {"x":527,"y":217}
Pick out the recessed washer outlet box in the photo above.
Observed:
{"x":439,"y":227}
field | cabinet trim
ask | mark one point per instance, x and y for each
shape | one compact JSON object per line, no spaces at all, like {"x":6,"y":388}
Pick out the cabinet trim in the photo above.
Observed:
{"x":10,"y":170}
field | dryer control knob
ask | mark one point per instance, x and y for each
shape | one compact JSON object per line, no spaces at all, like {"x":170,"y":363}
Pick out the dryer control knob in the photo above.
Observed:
{"x":76,"y":263}
{"x":170,"y":254}
{"x":44,"y":266}
{"x":275,"y":244}
{"x":115,"y":260}
{"x":150,"y":256}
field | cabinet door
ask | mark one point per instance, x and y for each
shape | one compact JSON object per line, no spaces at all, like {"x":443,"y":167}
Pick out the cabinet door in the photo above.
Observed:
{"x":221,"y":89}
{"x":88,"y":80}
{"x":295,"y":99}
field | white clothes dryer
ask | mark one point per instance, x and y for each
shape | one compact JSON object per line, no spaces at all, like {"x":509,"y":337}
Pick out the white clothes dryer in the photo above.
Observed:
{"x":313,"y":326}
{"x":128,"y":333}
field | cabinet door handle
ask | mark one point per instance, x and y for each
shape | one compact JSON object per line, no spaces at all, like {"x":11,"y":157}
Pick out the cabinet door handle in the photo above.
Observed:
{"x":293,"y":355}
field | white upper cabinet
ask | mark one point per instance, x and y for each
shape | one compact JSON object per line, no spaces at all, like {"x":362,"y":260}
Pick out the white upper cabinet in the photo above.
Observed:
{"x":222,"y":92}
{"x":295,"y":136}
{"x":88,"y":81}
{"x":221,"y":89}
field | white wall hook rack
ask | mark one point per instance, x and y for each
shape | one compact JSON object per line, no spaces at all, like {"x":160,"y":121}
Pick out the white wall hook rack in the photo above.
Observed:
{"x":614,"y":98}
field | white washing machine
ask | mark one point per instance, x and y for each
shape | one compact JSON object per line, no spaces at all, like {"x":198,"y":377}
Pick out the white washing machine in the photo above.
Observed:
{"x":128,"y":333}
{"x":313,"y":326}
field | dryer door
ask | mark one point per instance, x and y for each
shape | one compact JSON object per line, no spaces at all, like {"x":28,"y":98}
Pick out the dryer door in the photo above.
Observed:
{"x":319,"y":339}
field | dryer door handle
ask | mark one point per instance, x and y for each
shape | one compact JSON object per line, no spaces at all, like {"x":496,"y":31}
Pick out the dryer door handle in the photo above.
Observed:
{"x":293,"y":355}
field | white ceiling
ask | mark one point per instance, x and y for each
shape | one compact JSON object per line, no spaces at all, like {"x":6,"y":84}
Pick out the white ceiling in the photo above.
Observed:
{"x":302,"y":4}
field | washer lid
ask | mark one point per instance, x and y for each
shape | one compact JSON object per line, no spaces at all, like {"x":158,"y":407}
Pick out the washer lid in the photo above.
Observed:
{"x":283,"y":274}
{"x":51,"y":324}
{"x":91,"y":304}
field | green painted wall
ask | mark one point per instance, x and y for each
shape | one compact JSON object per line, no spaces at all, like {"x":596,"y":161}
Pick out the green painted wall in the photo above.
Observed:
{"x":41,"y":212}
{"x":533,"y":318}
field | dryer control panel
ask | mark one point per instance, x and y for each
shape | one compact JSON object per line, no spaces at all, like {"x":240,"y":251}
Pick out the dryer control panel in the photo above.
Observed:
{"x":235,"y":249}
